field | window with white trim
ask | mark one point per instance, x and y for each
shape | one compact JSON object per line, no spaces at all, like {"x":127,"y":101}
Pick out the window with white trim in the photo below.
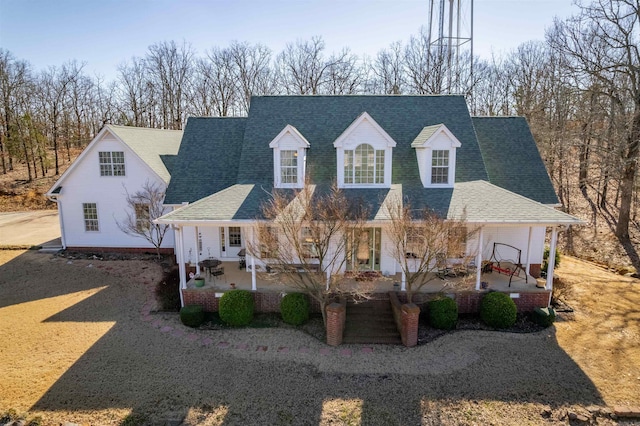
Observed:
{"x":90,"y":213}
{"x":289,"y":166}
{"x":440,"y":166}
{"x":111,"y":163}
{"x":235,"y":236}
{"x":364,"y":165}
{"x":364,"y":152}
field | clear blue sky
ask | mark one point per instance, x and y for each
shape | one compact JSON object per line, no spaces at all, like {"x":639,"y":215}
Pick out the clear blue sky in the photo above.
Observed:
{"x":104,"y":33}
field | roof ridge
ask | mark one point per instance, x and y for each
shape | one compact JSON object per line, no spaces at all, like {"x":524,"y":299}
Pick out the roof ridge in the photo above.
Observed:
{"x":120,"y":126}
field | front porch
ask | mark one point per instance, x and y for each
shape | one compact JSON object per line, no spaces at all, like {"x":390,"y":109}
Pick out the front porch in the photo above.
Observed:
{"x":269,"y":289}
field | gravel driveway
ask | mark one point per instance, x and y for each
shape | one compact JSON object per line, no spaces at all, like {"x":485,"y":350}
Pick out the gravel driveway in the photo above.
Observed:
{"x":78,"y":344}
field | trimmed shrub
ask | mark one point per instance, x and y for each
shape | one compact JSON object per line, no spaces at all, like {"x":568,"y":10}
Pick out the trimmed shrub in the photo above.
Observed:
{"x":236,"y":307}
{"x":498,"y":310}
{"x":168,"y":291}
{"x":544,"y":316}
{"x":294,"y":308}
{"x":443,"y":313}
{"x":192,"y":315}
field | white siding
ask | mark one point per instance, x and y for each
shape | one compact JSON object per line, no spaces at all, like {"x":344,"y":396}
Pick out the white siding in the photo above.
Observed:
{"x":85,"y":185}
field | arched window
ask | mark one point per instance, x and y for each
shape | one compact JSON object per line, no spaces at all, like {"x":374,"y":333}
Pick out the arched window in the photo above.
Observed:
{"x":364,"y":165}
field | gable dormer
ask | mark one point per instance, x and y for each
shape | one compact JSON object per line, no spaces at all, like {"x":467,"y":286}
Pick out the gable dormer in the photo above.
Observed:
{"x":363,"y":155}
{"x":289,"y":158}
{"x":436,"y":151}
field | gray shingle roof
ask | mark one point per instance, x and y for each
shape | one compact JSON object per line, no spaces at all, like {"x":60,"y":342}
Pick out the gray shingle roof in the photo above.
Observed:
{"x":424,"y":135}
{"x":150,"y":145}
{"x":231,"y":159}
{"x":208,"y":159}
{"x":476,"y":202}
{"x":512,"y":159}
{"x":322,"y":119}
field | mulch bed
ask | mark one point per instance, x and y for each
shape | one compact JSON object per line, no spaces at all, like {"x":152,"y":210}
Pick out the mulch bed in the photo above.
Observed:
{"x":524,"y":324}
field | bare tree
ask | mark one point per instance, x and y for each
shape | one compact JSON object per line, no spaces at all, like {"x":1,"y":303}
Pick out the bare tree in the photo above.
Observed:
{"x":170,"y":68}
{"x":422,"y":242}
{"x":389,"y":71}
{"x":14,"y":76}
{"x":603,"y":43}
{"x":54,"y":92}
{"x":302,"y":68}
{"x":303,"y":236}
{"x":254,"y":75}
{"x":144,"y":207}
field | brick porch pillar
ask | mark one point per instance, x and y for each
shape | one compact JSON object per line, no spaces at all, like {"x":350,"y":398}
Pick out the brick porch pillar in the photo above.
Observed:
{"x":410,"y":318}
{"x":336,"y":316}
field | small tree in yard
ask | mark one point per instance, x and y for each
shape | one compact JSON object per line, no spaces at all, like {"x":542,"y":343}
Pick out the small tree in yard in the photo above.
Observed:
{"x":144,"y":207}
{"x":303,"y":234}
{"x":422,"y":241}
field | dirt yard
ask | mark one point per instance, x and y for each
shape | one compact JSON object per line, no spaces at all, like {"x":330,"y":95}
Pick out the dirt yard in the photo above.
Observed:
{"x":77,"y":345}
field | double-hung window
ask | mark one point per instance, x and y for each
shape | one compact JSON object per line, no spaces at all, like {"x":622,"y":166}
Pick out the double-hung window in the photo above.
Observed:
{"x":289,"y":166}
{"x":364,"y":165}
{"x":90,"y":213}
{"x":111,"y":163}
{"x":440,"y":166}
{"x":235,"y":236}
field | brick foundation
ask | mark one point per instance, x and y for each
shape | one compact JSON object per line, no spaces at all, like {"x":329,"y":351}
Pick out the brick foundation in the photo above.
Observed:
{"x":469,"y":302}
{"x":141,"y":250}
{"x":263,"y":302}
{"x":534,"y":270}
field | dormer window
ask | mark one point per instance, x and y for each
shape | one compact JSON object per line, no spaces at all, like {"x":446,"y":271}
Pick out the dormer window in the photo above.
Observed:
{"x":364,"y":153}
{"x":289,"y":153}
{"x":439,"y":166}
{"x":364,"y":165}
{"x":436,"y":151}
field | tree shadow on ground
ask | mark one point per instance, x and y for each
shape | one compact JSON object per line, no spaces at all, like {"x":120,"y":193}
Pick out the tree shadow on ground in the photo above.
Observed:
{"x":136,"y":366}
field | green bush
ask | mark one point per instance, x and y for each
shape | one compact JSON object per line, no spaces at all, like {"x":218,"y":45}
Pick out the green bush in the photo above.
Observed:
{"x":192,"y":316}
{"x":443,"y":313}
{"x":168,"y":291}
{"x":498,"y":310}
{"x":544,"y":316}
{"x":236,"y":307}
{"x":545,"y":259}
{"x":294,"y":308}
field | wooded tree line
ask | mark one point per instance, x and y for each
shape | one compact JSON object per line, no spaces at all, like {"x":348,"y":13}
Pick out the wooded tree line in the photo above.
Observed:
{"x":579,"y":90}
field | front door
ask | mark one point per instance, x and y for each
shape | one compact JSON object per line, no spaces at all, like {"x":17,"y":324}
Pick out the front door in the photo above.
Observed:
{"x":363,"y":249}
{"x":231,"y":241}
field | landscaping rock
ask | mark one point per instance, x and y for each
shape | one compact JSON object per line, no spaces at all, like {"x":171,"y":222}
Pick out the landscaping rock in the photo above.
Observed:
{"x":626,"y":411}
{"x":546,"y":412}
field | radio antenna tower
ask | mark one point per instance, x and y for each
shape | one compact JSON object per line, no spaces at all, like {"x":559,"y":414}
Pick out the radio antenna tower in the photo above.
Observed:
{"x":451,"y":43}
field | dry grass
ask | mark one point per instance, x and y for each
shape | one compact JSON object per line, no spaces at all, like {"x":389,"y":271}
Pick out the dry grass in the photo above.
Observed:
{"x":75,"y":348}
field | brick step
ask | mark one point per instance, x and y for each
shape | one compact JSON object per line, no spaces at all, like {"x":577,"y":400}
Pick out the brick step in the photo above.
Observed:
{"x":373,"y":340}
{"x":371,"y":322}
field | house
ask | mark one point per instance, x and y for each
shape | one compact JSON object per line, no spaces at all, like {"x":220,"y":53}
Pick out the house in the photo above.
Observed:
{"x":426,"y":149}
{"x":92,"y":193}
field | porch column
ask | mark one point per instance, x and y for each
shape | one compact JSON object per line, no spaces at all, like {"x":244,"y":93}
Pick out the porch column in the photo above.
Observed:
{"x":254,"y":285}
{"x":479,"y":258}
{"x":552,"y":258}
{"x":403,"y":286}
{"x":529,"y":251}
{"x":197,"y":250}
{"x":180,"y":258}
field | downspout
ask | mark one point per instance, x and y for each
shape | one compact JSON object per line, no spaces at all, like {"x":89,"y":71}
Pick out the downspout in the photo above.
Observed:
{"x":479,"y":259}
{"x":529,"y":252}
{"x":551,"y":261}
{"x":55,"y":199}
{"x":180,"y":258}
